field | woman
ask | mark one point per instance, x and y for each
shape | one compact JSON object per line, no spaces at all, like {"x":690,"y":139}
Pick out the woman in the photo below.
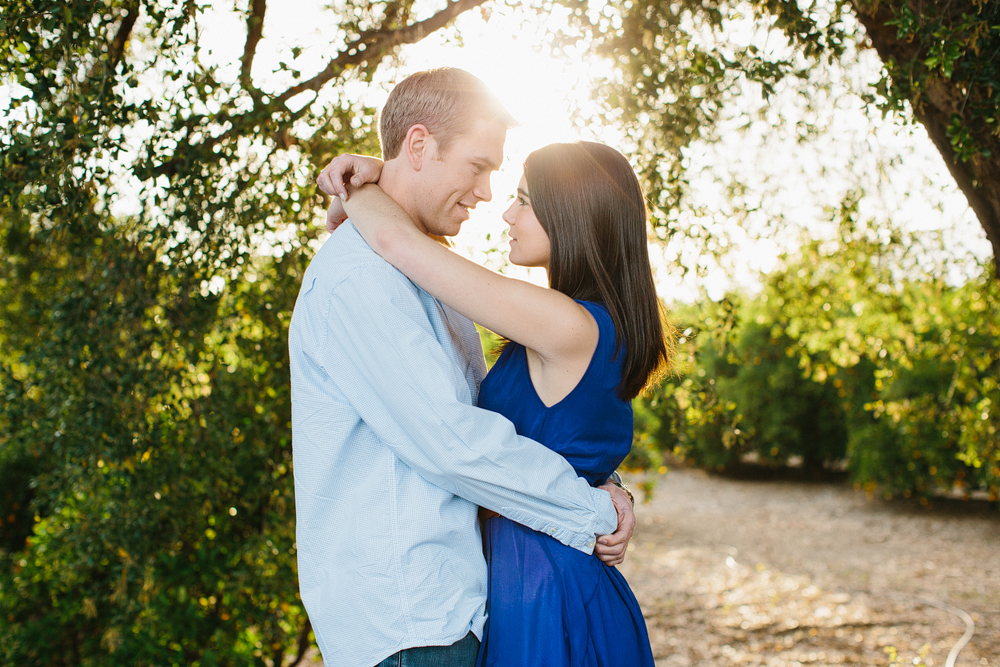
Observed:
{"x":579,"y":352}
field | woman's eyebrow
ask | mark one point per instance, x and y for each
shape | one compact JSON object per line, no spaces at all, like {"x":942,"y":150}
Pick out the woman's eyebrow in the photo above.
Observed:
{"x":523,"y":193}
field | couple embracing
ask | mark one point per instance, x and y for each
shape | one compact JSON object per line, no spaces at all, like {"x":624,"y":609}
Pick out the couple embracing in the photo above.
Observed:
{"x":402,"y":441}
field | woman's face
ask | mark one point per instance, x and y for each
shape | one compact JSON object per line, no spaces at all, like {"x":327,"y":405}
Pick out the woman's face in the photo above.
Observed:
{"x":529,"y":244}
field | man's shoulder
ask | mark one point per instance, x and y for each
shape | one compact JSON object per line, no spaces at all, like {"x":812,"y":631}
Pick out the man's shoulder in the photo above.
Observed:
{"x":346,"y":257}
{"x":344,"y":251}
{"x":347,"y":276}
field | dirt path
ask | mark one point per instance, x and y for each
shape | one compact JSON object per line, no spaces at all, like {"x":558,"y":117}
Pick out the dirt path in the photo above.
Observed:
{"x":736,"y":572}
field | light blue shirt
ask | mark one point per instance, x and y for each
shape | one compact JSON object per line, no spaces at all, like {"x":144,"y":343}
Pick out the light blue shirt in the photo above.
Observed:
{"x":392,"y":459}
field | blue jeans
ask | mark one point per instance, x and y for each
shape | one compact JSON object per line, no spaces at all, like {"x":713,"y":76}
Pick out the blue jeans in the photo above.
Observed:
{"x":460,"y":654}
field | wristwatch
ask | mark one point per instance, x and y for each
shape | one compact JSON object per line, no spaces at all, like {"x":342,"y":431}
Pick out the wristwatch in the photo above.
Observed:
{"x":616,"y":479}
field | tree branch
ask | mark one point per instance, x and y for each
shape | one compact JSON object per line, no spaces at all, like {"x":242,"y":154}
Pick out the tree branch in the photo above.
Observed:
{"x":255,"y":29}
{"x":303,"y":643}
{"x":940,"y":102}
{"x":378,"y":42}
{"x":117,"y":48}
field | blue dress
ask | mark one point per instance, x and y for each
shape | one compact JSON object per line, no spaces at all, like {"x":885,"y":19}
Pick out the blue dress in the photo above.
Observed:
{"x":549,"y":604}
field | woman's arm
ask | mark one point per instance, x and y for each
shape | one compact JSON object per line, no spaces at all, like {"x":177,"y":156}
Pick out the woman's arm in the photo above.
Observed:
{"x":548,"y":322}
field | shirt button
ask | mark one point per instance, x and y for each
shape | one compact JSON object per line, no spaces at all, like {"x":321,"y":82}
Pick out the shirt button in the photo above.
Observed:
{"x":590,"y":544}
{"x":552,"y":530}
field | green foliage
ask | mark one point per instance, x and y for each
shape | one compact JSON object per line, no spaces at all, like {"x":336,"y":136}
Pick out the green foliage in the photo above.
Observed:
{"x":840,"y":358}
{"x":954,"y":42}
{"x":146,"y":491}
{"x":152,"y":441}
{"x":742,"y":396}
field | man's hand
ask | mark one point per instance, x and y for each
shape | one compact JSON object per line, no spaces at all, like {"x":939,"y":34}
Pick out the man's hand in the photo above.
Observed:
{"x":611,"y":548}
{"x":360,"y":168}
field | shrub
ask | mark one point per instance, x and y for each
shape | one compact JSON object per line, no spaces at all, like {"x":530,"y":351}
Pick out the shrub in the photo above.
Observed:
{"x":839,"y":359}
{"x":145,"y":459}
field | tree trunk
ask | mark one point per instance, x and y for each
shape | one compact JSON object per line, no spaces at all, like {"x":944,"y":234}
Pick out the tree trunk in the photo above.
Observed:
{"x":940,"y":102}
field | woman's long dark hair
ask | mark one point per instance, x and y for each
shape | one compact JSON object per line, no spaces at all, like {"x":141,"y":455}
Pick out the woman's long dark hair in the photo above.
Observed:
{"x":589,"y":202}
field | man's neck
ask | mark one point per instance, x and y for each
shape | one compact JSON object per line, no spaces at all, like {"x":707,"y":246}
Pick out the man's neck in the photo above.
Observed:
{"x":399,"y":183}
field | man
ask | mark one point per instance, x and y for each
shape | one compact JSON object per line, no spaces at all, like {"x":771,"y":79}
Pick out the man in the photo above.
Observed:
{"x":391,"y":456}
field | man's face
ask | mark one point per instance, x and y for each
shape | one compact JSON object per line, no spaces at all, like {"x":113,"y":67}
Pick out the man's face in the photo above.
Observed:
{"x":455,"y":180}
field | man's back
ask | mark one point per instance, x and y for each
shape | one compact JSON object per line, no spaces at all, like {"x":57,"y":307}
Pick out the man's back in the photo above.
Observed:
{"x":387,"y":560}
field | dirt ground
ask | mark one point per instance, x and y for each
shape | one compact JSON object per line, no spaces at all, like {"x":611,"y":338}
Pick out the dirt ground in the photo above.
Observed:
{"x":782,"y":573}
{"x":777,"y":572}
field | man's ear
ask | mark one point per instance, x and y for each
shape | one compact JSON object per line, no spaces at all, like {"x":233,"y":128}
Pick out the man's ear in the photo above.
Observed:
{"x":418,"y":146}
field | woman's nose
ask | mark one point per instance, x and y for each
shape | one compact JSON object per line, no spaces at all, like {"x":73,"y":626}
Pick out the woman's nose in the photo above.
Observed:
{"x":506,"y":217}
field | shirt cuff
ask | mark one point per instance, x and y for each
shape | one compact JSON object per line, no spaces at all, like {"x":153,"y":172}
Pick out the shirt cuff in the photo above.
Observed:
{"x":605,"y":522}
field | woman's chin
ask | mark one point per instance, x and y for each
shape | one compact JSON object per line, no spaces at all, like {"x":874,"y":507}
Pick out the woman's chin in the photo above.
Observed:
{"x":516,"y":261}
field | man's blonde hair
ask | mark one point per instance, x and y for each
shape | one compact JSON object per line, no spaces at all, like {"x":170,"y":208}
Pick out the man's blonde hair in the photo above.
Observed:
{"x":446,"y":101}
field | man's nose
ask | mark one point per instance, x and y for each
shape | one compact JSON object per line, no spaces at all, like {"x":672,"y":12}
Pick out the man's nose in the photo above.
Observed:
{"x":482,"y":190}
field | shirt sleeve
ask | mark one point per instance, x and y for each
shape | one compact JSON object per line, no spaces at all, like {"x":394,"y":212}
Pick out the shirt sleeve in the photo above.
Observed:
{"x":380,"y":350}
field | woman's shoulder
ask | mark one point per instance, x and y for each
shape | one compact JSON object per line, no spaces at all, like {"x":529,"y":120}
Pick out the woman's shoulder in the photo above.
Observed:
{"x":607,"y":358}
{"x":593,"y":306}
{"x":607,"y":334}
{"x":599,"y":312}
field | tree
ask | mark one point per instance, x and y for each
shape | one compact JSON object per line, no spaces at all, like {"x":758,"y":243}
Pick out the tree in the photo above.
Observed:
{"x":157,"y":209}
{"x":941,"y":59}
{"x":681,"y":64}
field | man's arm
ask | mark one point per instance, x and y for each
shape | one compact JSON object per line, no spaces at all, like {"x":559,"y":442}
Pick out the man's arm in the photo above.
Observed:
{"x":380,"y":350}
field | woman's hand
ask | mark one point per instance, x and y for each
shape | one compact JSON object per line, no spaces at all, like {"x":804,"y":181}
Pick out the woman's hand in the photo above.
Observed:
{"x":333,"y":181}
{"x":360,"y":169}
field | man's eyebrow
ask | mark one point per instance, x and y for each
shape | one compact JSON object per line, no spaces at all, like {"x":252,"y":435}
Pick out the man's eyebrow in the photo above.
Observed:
{"x":487,"y":162}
